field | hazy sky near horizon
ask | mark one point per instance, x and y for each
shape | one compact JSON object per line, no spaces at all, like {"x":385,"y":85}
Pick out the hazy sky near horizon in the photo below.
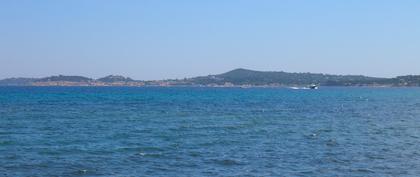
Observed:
{"x":159,"y":39}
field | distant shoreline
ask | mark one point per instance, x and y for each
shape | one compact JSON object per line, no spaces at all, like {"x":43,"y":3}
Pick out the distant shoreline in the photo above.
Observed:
{"x":242,"y":78}
{"x":196,"y":86}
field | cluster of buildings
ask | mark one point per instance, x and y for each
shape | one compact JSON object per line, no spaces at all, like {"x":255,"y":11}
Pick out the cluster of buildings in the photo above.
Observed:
{"x":90,"y":83}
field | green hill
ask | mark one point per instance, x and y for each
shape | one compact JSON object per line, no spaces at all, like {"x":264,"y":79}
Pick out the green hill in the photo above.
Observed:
{"x":61,"y":78}
{"x":115,"y":78}
{"x":245,"y":76}
{"x":17,"y":81}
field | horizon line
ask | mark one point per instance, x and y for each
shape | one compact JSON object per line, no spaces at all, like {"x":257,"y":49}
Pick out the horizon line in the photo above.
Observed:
{"x":23,"y":77}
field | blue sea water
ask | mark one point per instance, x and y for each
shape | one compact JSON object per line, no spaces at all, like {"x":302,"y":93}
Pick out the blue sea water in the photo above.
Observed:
{"x":128,"y":131}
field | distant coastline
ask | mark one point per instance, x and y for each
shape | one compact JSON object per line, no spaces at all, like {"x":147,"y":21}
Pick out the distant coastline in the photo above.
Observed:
{"x":242,"y":78}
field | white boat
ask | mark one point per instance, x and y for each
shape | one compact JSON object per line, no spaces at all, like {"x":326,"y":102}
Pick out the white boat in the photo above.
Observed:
{"x":313,"y":86}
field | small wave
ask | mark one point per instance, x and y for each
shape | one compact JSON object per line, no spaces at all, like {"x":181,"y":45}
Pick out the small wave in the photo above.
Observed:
{"x":83,"y":171}
{"x":299,"y":88}
{"x":363,"y":170}
{"x":141,"y":153}
{"x":227,"y":162}
{"x":331,"y":142}
{"x":5,"y":143}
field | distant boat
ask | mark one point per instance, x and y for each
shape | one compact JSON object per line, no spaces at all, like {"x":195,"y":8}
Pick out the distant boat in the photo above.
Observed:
{"x":313,"y":86}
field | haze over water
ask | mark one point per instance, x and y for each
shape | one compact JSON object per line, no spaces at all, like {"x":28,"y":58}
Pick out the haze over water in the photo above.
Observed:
{"x":127,"y":131}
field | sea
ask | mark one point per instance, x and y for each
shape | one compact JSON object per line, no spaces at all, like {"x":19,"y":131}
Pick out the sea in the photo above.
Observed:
{"x":193,"y":131}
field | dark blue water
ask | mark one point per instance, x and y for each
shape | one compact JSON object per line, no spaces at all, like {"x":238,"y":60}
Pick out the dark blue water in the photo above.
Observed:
{"x":82,"y":131}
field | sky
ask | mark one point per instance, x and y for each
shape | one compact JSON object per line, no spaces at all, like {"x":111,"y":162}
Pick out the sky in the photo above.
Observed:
{"x":162,"y":39}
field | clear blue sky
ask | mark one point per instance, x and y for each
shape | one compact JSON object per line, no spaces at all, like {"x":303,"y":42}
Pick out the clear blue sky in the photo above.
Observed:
{"x":159,"y":39}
